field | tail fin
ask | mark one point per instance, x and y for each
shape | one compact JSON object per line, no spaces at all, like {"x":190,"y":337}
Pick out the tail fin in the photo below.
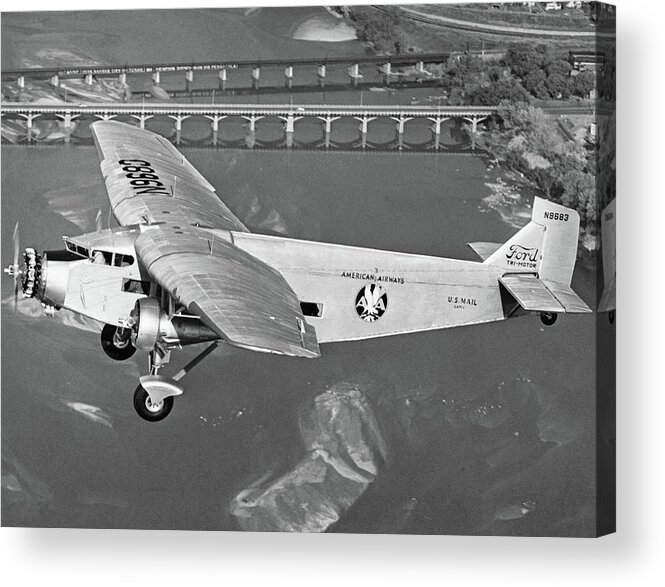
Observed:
{"x":546,"y":246}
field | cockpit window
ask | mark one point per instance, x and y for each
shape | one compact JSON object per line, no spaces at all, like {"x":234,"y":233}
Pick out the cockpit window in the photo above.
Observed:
{"x":74,"y":248}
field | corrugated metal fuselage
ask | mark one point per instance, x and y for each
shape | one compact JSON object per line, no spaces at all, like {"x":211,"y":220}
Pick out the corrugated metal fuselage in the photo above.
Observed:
{"x":348,"y":293}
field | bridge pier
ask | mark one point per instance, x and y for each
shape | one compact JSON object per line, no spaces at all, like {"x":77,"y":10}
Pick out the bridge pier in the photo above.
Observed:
{"x":178,"y":127}
{"x":474,"y":120}
{"x":436,"y":129}
{"x":401,"y":122}
{"x":155,"y":77}
{"x":321,"y":74}
{"x":250,"y":138}
{"x":189,"y":80}
{"x":88,"y":79}
{"x":29,"y":119}
{"x":256,"y":76}
{"x":54,"y":80}
{"x":354,"y":74}
{"x":328,"y":120}
{"x":364,"y":123}
{"x":21,"y":81}
{"x":215,"y":128}
{"x":290,"y":129}
{"x":122,"y":78}
{"x":288,"y":77}
{"x":142,"y":118}
{"x":386,"y":69}
{"x":67,"y":125}
{"x":222,"y":79}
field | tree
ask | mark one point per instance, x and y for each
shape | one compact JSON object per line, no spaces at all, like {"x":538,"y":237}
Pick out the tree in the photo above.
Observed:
{"x":522,"y":58}
{"x":557,"y":85}
{"x":577,"y":187}
{"x":534,"y":83}
{"x":582,"y":84}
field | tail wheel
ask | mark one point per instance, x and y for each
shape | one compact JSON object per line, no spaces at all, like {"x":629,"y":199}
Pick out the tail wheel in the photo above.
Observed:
{"x":548,"y":318}
{"x":152,"y":412}
{"x":611,"y":315}
{"x":116,"y":346}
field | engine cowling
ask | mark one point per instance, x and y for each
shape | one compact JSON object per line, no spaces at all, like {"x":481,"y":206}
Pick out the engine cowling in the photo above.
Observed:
{"x":146,"y":317}
{"x":46,"y":276}
{"x":152,"y":325}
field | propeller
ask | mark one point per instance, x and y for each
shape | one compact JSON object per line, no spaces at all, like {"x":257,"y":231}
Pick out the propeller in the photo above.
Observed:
{"x":98,"y":221}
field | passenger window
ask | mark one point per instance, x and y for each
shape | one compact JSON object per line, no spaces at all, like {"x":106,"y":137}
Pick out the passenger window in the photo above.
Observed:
{"x":121,"y":260}
{"x":311,"y":309}
{"x":136,"y":286}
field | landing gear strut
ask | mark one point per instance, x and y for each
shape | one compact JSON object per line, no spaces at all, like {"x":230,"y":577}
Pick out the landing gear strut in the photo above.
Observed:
{"x":548,"y":318}
{"x":153,"y":398}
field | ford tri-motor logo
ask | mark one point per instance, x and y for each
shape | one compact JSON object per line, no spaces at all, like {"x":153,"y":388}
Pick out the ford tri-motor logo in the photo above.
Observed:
{"x":371,"y":302}
{"x":521,"y":256}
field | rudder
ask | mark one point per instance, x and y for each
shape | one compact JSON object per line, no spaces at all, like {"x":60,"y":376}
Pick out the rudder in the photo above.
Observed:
{"x":546,"y":246}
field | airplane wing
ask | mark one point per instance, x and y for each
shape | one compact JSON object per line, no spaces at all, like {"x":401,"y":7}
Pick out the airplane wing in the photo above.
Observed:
{"x":242,"y":299}
{"x":149,"y":181}
{"x":245,"y":301}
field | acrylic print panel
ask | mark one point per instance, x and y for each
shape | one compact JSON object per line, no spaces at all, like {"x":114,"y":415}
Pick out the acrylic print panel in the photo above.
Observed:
{"x":410,"y":129}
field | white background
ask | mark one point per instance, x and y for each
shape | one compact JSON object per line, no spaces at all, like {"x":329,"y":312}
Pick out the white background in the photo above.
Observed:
{"x":632,"y":556}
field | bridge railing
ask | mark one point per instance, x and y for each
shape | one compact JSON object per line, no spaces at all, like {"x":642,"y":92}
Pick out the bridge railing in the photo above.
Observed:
{"x":268,"y":109}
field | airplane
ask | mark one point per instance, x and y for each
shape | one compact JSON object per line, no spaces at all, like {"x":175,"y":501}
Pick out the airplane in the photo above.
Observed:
{"x":182,"y":269}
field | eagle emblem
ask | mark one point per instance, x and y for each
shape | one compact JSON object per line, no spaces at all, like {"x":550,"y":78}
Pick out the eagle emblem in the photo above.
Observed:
{"x":371,"y":302}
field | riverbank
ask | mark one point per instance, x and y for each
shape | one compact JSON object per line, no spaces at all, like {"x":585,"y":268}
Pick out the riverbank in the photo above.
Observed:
{"x":547,"y":156}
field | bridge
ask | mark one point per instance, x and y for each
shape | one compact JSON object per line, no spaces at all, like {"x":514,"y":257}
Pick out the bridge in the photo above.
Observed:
{"x":411,"y":59}
{"x":69,"y":114}
{"x":323,"y":72}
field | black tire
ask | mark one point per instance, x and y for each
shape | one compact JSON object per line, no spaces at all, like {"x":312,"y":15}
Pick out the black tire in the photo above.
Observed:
{"x":149,"y":411}
{"x":611,"y":315}
{"x":117,"y":353}
{"x":548,"y":318}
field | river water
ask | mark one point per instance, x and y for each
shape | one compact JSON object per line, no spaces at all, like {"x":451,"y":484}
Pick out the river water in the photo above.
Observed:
{"x":490,"y":429}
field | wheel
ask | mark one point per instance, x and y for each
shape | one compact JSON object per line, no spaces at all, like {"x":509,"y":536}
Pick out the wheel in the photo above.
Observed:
{"x":149,"y":411}
{"x":611,"y":316}
{"x":119,"y":349}
{"x":548,"y":318}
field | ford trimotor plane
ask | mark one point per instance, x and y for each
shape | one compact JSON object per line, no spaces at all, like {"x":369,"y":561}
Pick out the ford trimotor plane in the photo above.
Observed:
{"x":182,"y":269}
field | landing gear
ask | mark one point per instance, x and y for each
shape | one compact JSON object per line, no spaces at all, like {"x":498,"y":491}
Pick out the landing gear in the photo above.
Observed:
{"x":153,"y":398}
{"x":548,"y":318}
{"x":117,"y":343}
{"x":152,"y":412}
{"x":611,"y":315}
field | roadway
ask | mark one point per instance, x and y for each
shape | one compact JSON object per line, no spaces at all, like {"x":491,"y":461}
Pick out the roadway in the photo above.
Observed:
{"x":446,"y":22}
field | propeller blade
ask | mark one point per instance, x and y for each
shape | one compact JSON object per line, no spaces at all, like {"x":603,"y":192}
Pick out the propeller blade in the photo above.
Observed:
{"x":17,"y":250}
{"x":98,"y":221}
{"x":16,"y":244}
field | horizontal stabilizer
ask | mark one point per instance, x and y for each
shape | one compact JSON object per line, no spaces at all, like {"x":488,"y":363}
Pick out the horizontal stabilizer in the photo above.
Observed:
{"x":571,"y":302}
{"x":484,"y":250}
{"x":535,"y":295}
{"x":530,"y":293}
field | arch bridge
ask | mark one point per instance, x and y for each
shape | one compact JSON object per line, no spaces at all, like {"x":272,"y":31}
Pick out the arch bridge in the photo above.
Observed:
{"x":68,"y":114}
